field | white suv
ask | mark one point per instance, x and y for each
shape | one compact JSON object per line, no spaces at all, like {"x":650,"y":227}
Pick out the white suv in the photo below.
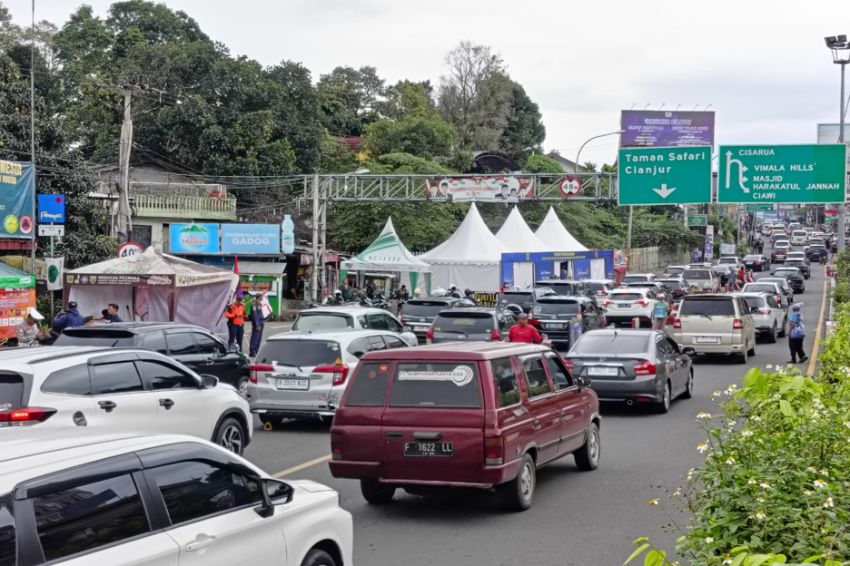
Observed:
{"x":76,"y":498}
{"x":625,"y":304}
{"x":721,"y":324}
{"x":324,"y":319}
{"x":124,"y":390}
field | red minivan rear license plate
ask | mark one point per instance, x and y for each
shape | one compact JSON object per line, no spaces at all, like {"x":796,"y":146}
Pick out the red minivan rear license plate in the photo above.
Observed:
{"x":428,"y":449}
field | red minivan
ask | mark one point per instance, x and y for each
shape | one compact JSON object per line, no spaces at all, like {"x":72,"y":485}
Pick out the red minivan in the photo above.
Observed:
{"x":483,"y":415}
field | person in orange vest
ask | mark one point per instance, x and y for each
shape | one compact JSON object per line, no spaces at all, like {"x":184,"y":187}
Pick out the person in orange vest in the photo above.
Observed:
{"x":235,"y":314}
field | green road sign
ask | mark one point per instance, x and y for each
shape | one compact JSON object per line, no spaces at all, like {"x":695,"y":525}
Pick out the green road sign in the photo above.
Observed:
{"x":782,"y":173}
{"x":664,"y":175}
{"x":759,"y":208}
{"x":697,"y":219}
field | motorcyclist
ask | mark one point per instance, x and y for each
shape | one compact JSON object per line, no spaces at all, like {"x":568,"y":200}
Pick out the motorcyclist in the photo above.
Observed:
{"x":469,"y":295}
{"x":453,"y":292}
{"x":337,"y":298}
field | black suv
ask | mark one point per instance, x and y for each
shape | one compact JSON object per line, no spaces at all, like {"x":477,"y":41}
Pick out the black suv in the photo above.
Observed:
{"x":471,"y":324}
{"x":553,"y":315}
{"x":418,"y":314}
{"x":191,"y":345}
{"x":526,"y":299}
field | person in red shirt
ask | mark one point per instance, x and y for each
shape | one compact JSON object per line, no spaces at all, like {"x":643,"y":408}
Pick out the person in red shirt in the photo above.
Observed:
{"x":524,"y":332}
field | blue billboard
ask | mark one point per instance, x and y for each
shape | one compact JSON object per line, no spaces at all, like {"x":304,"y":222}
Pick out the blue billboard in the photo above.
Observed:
{"x":250,"y":239}
{"x":51,"y":209}
{"x":17,"y":193}
{"x":194,"y":239}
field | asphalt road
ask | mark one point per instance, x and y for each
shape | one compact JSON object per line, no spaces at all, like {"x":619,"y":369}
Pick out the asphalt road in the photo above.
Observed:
{"x":578,"y":518}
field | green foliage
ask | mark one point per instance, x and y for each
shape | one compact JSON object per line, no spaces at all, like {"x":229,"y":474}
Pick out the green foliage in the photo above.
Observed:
{"x":835,"y":358}
{"x":422,"y":136}
{"x":539,"y":163}
{"x":407,"y":99}
{"x":524,"y":132}
{"x":404,"y":163}
{"x":335,"y":157}
{"x":348,"y":98}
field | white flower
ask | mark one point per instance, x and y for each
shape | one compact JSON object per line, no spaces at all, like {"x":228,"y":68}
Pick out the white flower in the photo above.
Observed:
{"x":727,"y":560}
{"x":691,"y":473}
{"x":703,"y":415}
{"x":731,"y":425}
{"x":820,"y":484}
{"x":807,"y":492}
{"x":760,"y":515}
{"x":847,"y":424}
{"x":812,"y":470}
{"x":709,"y":540}
{"x":765,"y":485}
{"x":752,"y":481}
{"x":702,"y":447}
{"x":769,"y":366}
{"x":824,"y":472}
{"x":760,"y":499}
{"x":730,"y":460}
{"x":755,"y":418}
{"x":746,"y":433}
{"x":678,"y":492}
{"x":828,"y":504}
{"x":715,"y":395}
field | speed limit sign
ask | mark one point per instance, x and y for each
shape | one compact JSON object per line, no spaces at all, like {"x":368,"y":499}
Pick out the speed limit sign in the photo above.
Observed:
{"x":570,"y":186}
{"x":130,"y":249}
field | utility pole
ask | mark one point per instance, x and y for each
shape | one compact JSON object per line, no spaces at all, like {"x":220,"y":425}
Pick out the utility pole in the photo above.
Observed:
{"x":125,"y":222}
{"x":314,"y":278}
{"x":32,"y":140}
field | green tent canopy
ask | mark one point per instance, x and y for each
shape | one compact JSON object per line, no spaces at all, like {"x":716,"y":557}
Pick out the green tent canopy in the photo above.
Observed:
{"x":11,"y":278}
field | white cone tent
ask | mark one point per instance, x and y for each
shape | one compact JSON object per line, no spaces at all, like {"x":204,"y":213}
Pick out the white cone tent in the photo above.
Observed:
{"x":388,"y":253}
{"x":556,"y":237}
{"x":471,"y":258}
{"x":518,"y":237}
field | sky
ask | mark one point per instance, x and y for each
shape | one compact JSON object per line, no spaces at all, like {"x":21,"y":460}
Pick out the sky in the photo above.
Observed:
{"x":761,"y":65}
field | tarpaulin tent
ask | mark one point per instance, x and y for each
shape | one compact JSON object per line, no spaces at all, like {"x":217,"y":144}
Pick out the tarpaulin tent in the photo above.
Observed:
{"x":556,"y":237}
{"x":153,"y":286}
{"x":518,"y":237}
{"x":387,"y":253}
{"x":470,"y":258}
{"x":17,"y":294}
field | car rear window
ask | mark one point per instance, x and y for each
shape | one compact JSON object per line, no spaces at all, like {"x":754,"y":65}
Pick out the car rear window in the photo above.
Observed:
{"x":754,"y":302}
{"x":323,"y":321}
{"x":557,"y":307}
{"x":11,"y":390}
{"x":425,"y":308}
{"x":626,"y":296}
{"x":368,"y":387}
{"x":635,"y":278}
{"x":596,"y":286}
{"x":443,"y":385}
{"x":707,"y":306}
{"x":466,"y":322}
{"x":751,"y":257}
{"x":509,"y":297}
{"x":299,"y":353}
{"x":696,"y":274}
{"x":756,"y":288}
{"x":561,"y":288}
{"x":110,"y":338}
{"x":606,"y":343}
{"x":674,"y":270}
{"x":671,"y":284}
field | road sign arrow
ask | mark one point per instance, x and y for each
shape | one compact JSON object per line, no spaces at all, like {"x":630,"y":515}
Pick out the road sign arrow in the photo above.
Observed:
{"x":664,"y":192}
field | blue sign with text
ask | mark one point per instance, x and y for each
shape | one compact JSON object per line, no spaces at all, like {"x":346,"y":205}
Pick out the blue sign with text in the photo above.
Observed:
{"x":250,"y":239}
{"x":194,"y":239}
{"x":17,"y":187}
{"x":51,"y":209}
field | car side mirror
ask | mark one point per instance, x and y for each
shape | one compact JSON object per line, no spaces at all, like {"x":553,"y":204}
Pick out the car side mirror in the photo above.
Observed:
{"x":583,"y":381}
{"x":274,"y":492}
{"x":208,"y":381}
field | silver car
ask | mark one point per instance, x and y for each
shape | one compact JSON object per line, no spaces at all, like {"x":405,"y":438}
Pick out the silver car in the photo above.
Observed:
{"x":715,"y":324}
{"x":304,"y":374}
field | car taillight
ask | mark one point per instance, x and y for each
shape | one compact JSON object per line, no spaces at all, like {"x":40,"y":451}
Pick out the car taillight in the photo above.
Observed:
{"x":336,"y":446}
{"x":494,"y":450}
{"x":569,"y":364}
{"x":737,"y":324}
{"x":644,"y":368}
{"x":677,"y":323}
{"x":256,"y":369}
{"x":429,"y":336}
{"x":495,"y":336}
{"x":23,"y":416}
{"x":339,"y":371}
{"x":778,"y":299}
{"x":642,"y":303}
{"x":607,"y":302}
{"x":758,"y":262}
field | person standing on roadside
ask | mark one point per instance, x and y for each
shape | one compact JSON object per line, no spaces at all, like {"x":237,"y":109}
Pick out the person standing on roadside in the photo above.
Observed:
{"x":524,"y":332}
{"x":796,"y":335}
{"x":68,"y":318}
{"x":235,"y":314}
{"x":659,"y":313}
{"x":258,"y":323}
{"x":28,"y":332}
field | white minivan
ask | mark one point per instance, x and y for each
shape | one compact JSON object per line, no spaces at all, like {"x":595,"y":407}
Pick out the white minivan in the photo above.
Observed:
{"x":799,"y":238}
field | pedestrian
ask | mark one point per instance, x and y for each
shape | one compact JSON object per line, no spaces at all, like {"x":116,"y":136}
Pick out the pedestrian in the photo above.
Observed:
{"x":235,"y":314}
{"x":345,"y":290}
{"x":28,"y":333}
{"x":70,"y":317}
{"x":524,"y":332}
{"x":659,"y":313}
{"x":112,"y":313}
{"x":469,"y":295}
{"x":403,"y":294}
{"x":258,"y":322}
{"x":741,"y":277}
{"x":796,"y":335}
{"x":370,"y":290}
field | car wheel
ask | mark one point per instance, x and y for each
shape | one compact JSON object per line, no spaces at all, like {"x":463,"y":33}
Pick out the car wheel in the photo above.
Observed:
{"x":519,"y":493}
{"x":230,"y":435}
{"x":771,"y":337}
{"x":242,"y":387}
{"x":752,"y":350}
{"x":587,"y":457}
{"x":375,"y":492}
{"x":318,"y":557}
{"x":664,"y":405}
{"x":689,"y":386}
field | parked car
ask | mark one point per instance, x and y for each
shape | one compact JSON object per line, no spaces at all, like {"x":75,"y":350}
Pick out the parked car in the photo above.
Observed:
{"x":85,"y":497}
{"x":769,"y":317}
{"x":625,"y":304}
{"x":702,"y":280}
{"x":554,"y":313}
{"x":784,"y":284}
{"x":475,"y":324}
{"x":770,"y":287}
{"x":118,"y":390}
{"x":756,"y":262}
{"x":303,"y":374}
{"x":568,"y":287}
{"x":322,"y":319}
{"x":462,"y":415}
{"x":525,"y":299}
{"x":799,"y":238}
{"x":673,"y":271}
{"x":638,"y":277}
{"x":418,"y":314}
{"x":601,"y":287}
{"x":188,"y":344}
{"x":816,"y":252}
{"x":633,"y":366}
{"x":794,"y":276}
{"x":709,"y":324}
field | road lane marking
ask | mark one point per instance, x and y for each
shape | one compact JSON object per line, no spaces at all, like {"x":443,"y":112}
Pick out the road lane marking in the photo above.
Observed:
{"x":303,"y":466}
{"x":813,"y":359}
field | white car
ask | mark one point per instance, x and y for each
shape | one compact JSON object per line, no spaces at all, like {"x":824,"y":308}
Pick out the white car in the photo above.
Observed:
{"x":304,"y":374}
{"x":79,"y":498}
{"x":770,"y":287}
{"x":638,"y":277}
{"x":799,"y":238}
{"x":118,"y":390}
{"x":323,"y":319}
{"x":625,"y":304}
{"x":769,"y":317}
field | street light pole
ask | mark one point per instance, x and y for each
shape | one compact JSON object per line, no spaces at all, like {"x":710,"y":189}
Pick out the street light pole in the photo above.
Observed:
{"x":840,"y":48}
{"x":588,"y":140}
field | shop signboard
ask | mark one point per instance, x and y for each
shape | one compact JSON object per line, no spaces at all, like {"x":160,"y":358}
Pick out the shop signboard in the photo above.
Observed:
{"x":250,"y":239}
{"x":17,"y":193}
{"x":13,"y":307}
{"x":194,"y":239}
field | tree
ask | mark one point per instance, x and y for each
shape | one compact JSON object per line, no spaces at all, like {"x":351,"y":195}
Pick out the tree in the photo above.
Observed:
{"x":407,"y":99}
{"x":524,"y":132}
{"x":348,"y":99}
{"x":422,"y":136}
{"x":538,"y":163}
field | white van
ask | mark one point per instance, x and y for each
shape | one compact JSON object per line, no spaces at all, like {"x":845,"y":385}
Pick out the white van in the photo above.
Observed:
{"x":799,"y":238}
